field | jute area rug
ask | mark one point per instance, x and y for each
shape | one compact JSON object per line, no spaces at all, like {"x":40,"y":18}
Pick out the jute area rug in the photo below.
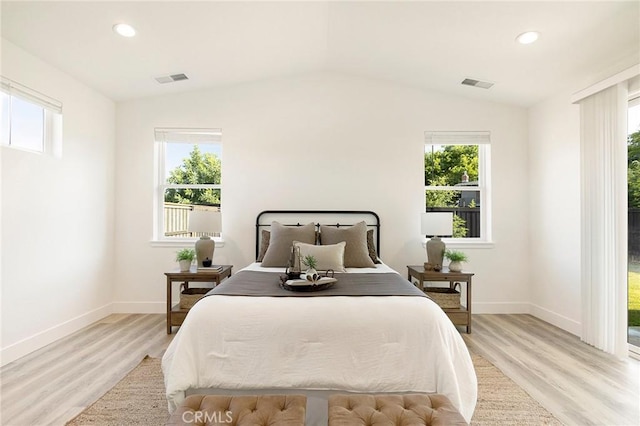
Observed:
{"x":139,"y":399}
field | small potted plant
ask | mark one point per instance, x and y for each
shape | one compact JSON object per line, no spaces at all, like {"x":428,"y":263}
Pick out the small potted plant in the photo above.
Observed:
{"x":185,"y":258}
{"x":311,"y":263}
{"x":456,"y":258}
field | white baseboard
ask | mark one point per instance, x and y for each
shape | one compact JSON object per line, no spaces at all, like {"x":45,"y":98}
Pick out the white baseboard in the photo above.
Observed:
{"x":139,"y":307}
{"x":501,"y":308}
{"x":50,"y":335}
{"x":567,"y":324}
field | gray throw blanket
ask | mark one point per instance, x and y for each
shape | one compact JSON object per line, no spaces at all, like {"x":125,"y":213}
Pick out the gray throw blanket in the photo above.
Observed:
{"x":267,"y":284}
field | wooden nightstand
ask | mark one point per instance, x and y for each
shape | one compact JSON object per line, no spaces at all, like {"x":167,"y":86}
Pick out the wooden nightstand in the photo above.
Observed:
{"x":459,"y":316}
{"x":175,"y":315}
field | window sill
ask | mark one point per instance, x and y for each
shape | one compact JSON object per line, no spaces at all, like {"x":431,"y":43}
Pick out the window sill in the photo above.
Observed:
{"x":466,"y":244}
{"x":181,"y":242}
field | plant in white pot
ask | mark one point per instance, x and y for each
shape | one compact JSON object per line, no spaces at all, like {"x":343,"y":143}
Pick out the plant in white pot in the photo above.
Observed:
{"x":311,"y":263}
{"x":185,"y":258}
{"x":455,"y":260}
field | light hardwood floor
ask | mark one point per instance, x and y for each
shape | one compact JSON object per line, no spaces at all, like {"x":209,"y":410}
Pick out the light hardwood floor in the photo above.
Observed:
{"x":54,"y":384}
{"x":577,"y":383}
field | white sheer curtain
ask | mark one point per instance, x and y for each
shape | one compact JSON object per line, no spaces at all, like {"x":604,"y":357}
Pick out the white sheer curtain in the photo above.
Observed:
{"x":603,"y":135}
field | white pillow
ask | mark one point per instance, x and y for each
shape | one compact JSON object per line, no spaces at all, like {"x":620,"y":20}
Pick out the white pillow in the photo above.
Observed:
{"x":328,"y":256}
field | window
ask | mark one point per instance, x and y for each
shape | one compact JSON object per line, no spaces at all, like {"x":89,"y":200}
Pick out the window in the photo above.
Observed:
{"x":189,"y":166}
{"x":456,"y":175}
{"x":31,"y":120}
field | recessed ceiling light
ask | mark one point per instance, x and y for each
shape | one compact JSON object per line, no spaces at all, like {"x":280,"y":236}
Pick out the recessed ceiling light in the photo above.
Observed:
{"x":125,"y":30}
{"x":528,"y":37}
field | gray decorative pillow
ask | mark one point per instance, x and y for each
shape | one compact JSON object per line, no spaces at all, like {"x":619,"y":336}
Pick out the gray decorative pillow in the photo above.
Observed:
{"x":264,"y":244}
{"x":356,"y":252}
{"x":371,"y":246}
{"x":281,"y":240}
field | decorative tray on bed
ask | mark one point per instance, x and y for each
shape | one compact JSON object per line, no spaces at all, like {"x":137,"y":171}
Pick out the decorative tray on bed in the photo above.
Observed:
{"x":304,"y":285}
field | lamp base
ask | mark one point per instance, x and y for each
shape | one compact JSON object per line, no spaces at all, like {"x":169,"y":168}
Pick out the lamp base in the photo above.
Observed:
{"x":435,"y":252}
{"x":205,"y":247}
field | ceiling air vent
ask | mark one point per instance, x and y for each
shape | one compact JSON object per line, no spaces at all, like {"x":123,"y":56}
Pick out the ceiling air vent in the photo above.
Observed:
{"x":476,"y":83}
{"x":171,"y":78}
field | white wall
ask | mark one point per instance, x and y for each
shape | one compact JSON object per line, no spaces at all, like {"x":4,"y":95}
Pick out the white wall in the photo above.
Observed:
{"x":321,"y":141}
{"x":57,"y":216}
{"x":554,"y":211}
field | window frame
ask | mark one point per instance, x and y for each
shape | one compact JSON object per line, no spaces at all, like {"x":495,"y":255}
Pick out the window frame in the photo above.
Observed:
{"x":51,"y":123}
{"x":163,"y":136}
{"x":482,"y":139}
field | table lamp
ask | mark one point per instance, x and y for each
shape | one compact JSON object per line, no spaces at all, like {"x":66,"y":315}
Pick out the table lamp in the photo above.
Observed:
{"x":208,"y":222}
{"x":436,"y":225}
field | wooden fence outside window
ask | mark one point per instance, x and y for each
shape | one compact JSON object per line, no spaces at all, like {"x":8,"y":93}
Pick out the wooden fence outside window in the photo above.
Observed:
{"x":176,"y":219}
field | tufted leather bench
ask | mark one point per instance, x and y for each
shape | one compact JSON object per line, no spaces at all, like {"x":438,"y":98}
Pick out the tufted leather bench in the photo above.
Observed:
{"x":205,"y":410}
{"x":393,"y":410}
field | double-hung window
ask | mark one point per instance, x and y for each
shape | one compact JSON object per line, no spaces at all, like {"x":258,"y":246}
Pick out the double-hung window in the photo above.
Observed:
{"x":31,"y":120}
{"x":189,"y":178}
{"x":457,"y":180}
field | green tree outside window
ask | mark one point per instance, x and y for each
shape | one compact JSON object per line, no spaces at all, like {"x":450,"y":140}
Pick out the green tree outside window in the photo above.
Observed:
{"x":445,"y":167}
{"x":633,"y":165}
{"x":197,"y":168}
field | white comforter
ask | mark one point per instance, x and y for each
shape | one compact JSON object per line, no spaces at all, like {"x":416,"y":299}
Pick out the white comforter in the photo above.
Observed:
{"x":360,"y":344}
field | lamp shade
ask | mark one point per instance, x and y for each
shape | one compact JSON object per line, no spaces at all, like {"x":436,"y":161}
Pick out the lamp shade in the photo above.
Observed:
{"x":205,"y":221}
{"x":437,"y":224}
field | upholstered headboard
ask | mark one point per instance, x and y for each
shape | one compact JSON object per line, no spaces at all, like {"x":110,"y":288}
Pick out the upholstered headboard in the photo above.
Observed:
{"x":336,"y":218}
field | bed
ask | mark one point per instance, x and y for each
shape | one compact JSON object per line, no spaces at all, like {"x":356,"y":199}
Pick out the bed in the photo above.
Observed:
{"x":234,"y":343}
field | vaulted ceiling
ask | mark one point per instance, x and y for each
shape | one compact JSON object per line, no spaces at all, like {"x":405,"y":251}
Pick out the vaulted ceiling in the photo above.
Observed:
{"x":431,"y":45}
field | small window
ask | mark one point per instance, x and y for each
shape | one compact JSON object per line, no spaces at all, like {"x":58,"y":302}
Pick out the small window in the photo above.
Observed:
{"x":31,"y":120}
{"x":189,"y":165}
{"x":456,"y":174}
